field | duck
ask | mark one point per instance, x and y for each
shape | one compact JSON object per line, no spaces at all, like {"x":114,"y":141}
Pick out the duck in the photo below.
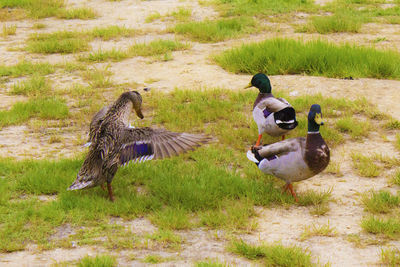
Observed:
{"x":295,"y":159}
{"x":115,"y":144}
{"x":273,"y":116}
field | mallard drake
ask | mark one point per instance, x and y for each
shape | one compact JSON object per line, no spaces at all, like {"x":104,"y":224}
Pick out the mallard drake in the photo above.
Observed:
{"x":274,"y":116}
{"x":115,"y":144}
{"x":295,"y":159}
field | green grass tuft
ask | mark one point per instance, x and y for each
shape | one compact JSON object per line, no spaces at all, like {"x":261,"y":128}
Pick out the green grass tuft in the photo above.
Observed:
{"x":98,"y":261}
{"x":156,"y":47}
{"x":262,"y":8}
{"x":25,"y":68}
{"x":357,"y":128}
{"x":339,"y":22}
{"x":273,"y":255}
{"x":390,"y":257}
{"x":396,"y":177}
{"x":112,"y":32}
{"x":210,"y":263}
{"x":365,"y":165}
{"x":217,"y":30}
{"x":35,"y":8}
{"x":319,"y":58}
{"x":77,"y":13}
{"x":36,"y":86}
{"x":59,"y":42}
{"x":101,"y":56}
{"x":380,"y":202}
{"x":390,"y":228}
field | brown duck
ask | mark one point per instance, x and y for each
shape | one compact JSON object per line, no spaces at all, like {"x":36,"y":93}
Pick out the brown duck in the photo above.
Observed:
{"x":114,"y":143}
{"x":295,"y":159}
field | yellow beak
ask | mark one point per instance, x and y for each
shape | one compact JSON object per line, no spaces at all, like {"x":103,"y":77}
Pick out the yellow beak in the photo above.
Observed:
{"x":318,"y":119}
{"x":248,"y":86}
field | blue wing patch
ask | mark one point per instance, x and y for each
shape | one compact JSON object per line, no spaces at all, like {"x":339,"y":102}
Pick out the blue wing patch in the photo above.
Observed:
{"x":139,"y":152}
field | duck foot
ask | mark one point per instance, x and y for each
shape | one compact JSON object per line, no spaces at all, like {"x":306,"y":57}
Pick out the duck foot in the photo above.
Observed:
{"x":290,"y":187}
{"x":283,"y":137}
{"x":103,"y":187}
{"x":110,"y":192}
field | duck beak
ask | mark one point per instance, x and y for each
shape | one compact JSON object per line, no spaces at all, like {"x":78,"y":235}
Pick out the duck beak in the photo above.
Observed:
{"x":248,"y":86}
{"x":139,"y":113}
{"x":318,"y":119}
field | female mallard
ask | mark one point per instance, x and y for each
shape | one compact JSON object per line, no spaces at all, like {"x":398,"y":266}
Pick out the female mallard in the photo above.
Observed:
{"x":295,"y":159}
{"x":274,"y":116}
{"x":115,"y":144}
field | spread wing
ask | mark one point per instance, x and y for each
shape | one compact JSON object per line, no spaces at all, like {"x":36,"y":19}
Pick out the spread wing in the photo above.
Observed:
{"x":283,"y":147}
{"x":141,"y":144}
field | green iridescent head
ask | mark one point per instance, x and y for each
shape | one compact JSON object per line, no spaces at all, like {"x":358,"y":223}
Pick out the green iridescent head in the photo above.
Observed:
{"x":261,"y":81}
{"x":314,"y":118}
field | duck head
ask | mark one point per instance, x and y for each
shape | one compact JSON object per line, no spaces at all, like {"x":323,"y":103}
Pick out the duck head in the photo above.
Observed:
{"x":136,"y":100}
{"x":260,"y":81}
{"x":314,"y":118}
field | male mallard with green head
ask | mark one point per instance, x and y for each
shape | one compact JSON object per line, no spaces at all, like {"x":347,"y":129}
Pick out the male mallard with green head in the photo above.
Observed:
{"x":295,"y":159}
{"x":114,"y":143}
{"x":274,"y":116}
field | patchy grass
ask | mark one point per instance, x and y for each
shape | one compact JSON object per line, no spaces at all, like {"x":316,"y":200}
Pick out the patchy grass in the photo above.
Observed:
{"x":101,"y":56}
{"x":38,"y":26}
{"x":397,"y":142}
{"x":389,"y":228}
{"x":36,"y":86}
{"x":156,"y":47}
{"x":262,"y":8}
{"x":311,"y":197}
{"x":210,"y":263}
{"x":35,"y":8}
{"x":77,"y":13}
{"x":98,"y":78}
{"x":180,"y":15}
{"x":365,"y":165}
{"x":59,"y":42}
{"x":47,"y":108}
{"x":318,"y":58}
{"x":112,"y":32}
{"x":346,"y":21}
{"x":9,"y":30}
{"x":98,"y":261}
{"x":390,"y":257}
{"x":334,"y":168}
{"x":201,"y":188}
{"x":396,"y":177}
{"x":393,"y":125}
{"x":356,"y":128}
{"x":26,"y":68}
{"x":322,"y":230}
{"x":380,"y":202}
{"x":273,"y":255}
{"x":216,"y":30}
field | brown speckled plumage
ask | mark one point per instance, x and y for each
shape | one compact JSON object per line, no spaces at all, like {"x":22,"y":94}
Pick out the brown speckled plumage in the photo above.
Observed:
{"x":115,"y":144}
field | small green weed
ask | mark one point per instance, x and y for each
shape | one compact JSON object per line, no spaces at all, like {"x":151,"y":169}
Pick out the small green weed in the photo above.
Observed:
{"x":176,"y":219}
{"x":210,"y":263}
{"x":396,"y":177}
{"x":310,"y":197}
{"x":112,"y":32}
{"x":59,"y":42}
{"x":322,"y":230}
{"x":101,"y":56}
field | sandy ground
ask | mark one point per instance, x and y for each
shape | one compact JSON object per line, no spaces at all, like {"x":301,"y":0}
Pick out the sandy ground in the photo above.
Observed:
{"x":194,"y":69}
